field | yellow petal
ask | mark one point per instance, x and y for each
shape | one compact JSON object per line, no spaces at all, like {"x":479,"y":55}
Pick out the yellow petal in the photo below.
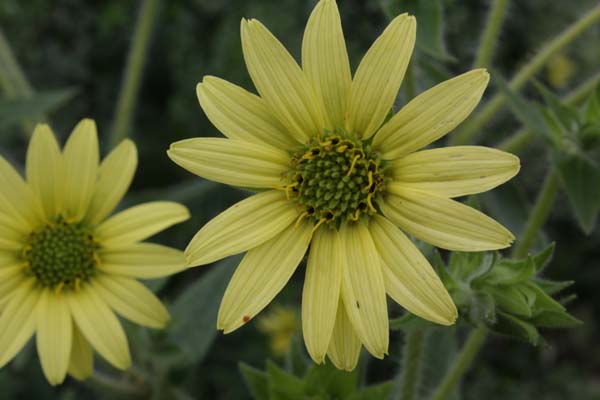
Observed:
{"x":409,"y":278}
{"x":11,"y":277}
{"x":233,"y":162}
{"x":321,"y":291}
{"x":114,"y":177}
{"x":262,"y":274}
{"x":81,"y":156}
{"x":81,"y":364}
{"x":16,"y":199}
{"x":241,"y":115}
{"x":455,"y":171}
{"x":379,"y":75}
{"x":12,"y":235}
{"x":54,"y":336}
{"x":344,"y":348}
{"x":281,"y":82}
{"x":132,"y":300}
{"x":325,"y":60}
{"x":140,"y":222}
{"x":431,"y":115}
{"x":100,"y":327}
{"x":142,"y":260}
{"x":18,"y":321}
{"x":442,"y":222}
{"x":363,"y":290}
{"x":45,"y":170}
{"x":243,"y":226}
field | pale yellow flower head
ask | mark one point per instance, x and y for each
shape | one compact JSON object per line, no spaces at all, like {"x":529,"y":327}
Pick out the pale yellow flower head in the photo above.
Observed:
{"x":66,"y":265}
{"x":335,"y":173}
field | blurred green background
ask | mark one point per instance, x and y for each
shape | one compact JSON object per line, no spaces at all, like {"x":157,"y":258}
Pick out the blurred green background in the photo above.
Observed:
{"x":83,"y":46}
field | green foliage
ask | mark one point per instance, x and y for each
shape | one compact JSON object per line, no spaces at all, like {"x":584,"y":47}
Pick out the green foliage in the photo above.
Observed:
{"x":16,"y":110}
{"x":320,"y":382}
{"x":505,"y":294}
{"x":194,"y":313}
{"x":573,"y":138}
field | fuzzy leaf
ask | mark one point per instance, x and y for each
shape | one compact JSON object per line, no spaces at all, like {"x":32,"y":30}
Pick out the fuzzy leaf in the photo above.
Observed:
{"x":555,"y":319}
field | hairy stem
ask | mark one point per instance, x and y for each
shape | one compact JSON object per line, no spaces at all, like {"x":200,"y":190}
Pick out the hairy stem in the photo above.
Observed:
{"x":494,"y":21}
{"x":491,"y":108}
{"x":523,"y":137}
{"x":461,"y":363}
{"x":133,"y":70}
{"x":411,"y":364}
{"x":539,"y":213}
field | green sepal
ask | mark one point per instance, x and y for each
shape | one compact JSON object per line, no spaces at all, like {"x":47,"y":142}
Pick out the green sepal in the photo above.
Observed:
{"x":256,"y":380}
{"x":555,"y":319}
{"x":283,"y":385}
{"x":508,"y":272}
{"x":516,"y":327}
{"x":543,"y":258}
{"x":510,"y":300}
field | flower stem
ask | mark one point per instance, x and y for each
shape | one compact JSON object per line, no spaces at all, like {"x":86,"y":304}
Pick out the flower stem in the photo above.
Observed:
{"x":411,"y":364}
{"x":461,"y":364}
{"x":490,"y":35}
{"x":133,"y":70}
{"x":539,"y":214}
{"x":473,"y":125}
{"x":521,"y":139}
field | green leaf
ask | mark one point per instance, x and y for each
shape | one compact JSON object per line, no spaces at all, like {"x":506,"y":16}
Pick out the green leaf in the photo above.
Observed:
{"x":430,"y":14}
{"x":592,"y":107}
{"x":542,"y":302}
{"x":516,"y":327}
{"x":194,"y":313}
{"x":552,"y":287}
{"x":510,"y":300}
{"x":13,"y":111}
{"x":509,"y":272}
{"x":330,"y":382}
{"x":380,"y":391}
{"x":581,"y":180}
{"x":256,"y":381}
{"x":543,"y":258}
{"x":283,"y":385}
{"x":526,"y":112}
{"x":555,"y":319}
{"x":566,"y":114}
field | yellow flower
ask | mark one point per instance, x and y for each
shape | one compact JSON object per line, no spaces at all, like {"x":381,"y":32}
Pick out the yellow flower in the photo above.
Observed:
{"x":280,"y":324}
{"x":65,"y":267}
{"x":332,"y":171}
{"x":560,"y":70}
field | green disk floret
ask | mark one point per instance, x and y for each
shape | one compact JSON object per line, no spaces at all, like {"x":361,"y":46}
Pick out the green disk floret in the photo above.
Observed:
{"x":61,"y":255}
{"x":336,"y":178}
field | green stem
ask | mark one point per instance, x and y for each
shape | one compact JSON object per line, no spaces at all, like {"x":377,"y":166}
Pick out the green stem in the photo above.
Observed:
{"x":490,"y":35}
{"x":411,"y":364}
{"x":523,"y":137}
{"x":539,"y":213}
{"x":461,"y":364}
{"x":133,"y":70}
{"x":117,"y":385}
{"x":473,"y":125}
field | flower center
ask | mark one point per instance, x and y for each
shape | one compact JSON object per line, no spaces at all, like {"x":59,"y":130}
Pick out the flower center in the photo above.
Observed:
{"x":336,"y":179}
{"x":61,"y":255}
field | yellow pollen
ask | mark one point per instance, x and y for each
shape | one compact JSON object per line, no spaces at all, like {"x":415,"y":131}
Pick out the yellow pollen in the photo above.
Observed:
{"x":354,"y":160}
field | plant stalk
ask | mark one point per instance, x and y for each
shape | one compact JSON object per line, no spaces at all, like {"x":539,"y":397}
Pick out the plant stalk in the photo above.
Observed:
{"x":539,"y":213}
{"x":136,"y":60}
{"x":491,"y":108}
{"x":493,"y":24}
{"x":411,"y":364}
{"x":461,"y":364}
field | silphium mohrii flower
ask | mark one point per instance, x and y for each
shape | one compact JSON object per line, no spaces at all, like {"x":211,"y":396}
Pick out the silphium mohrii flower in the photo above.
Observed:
{"x":66,"y":266}
{"x":332,"y":172}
